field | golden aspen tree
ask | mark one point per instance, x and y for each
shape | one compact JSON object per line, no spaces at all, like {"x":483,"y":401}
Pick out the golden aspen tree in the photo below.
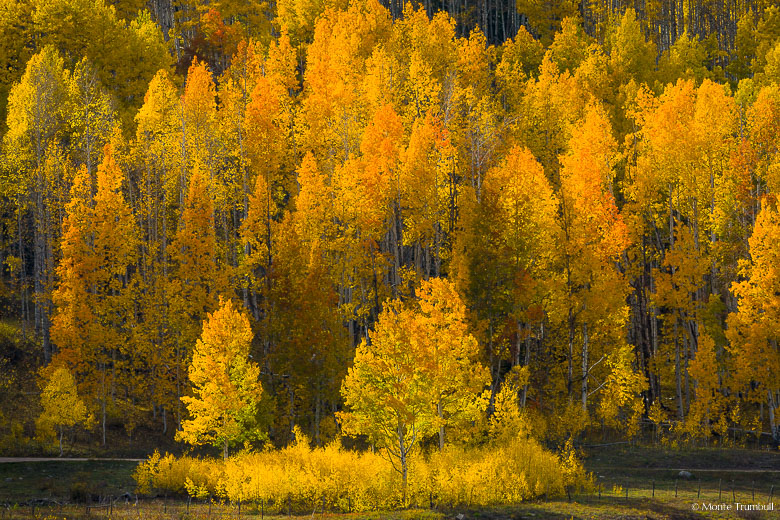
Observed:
{"x":569,"y":47}
{"x":550,"y":107}
{"x":313,"y":206}
{"x":74,"y":323}
{"x":680,"y":277}
{"x":386,"y":390}
{"x":156,"y":150}
{"x":91,"y":116}
{"x":37,"y":127}
{"x":753,"y":328}
{"x":195,"y":280}
{"x":115,"y":244}
{"x":226,"y":389}
{"x":62,"y":407}
{"x":418,"y":373}
{"x":429,"y":180}
{"x":94,"y":298}
{"x":709,"y":408}
{"x":591,"y":303}
{"x":631,"y":56}
{"x":198,"y":113}
{"x":450,"y":354}
{"x":508,"y":258}
{"x":520,"y":58}
{"x":158,"y":146}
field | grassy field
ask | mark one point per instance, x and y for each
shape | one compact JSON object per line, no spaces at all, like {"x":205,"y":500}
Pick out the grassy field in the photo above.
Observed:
{"x":64,"y":480}
{"x":631,"y":483}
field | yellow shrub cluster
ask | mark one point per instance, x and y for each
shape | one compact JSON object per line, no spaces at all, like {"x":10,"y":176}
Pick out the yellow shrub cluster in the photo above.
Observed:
{"x":506,"y":473}
{"x":302,"y":478}
{"x":328,"y":477}
{"x":178,"y":476}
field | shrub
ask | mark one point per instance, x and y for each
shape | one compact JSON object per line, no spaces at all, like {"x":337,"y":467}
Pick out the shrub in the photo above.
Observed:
{"x":185,"y":475}
{"x":305,"y":479}
{"x":496,"y":474}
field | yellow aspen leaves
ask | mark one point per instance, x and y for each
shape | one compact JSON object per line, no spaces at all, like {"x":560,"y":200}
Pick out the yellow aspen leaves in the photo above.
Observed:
{"x":225,"y":383}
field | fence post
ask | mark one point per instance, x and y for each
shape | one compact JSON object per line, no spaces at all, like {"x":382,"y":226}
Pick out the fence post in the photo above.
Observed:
{"x":733,"y":492}
{"x":720,"y":489}
{"x":599,"y":490}
{"x":771,"y":492}
{"x":698,"y":493}
{"x":675,"y":488}
{"x":753,"y":489}
{"x":110,"y":506}
{"x":654,"y":489}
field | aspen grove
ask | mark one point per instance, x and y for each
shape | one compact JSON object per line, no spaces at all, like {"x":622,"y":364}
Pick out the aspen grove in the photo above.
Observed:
{"x":428,"y":227}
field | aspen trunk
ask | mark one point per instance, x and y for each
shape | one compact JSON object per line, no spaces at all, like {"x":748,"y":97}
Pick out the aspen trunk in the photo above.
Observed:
{"x":440,"y":411}
{"x":585,"y":368}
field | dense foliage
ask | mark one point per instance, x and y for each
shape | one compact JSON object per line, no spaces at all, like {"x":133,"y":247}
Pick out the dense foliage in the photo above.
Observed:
{"x":299,"y":478}
{"x":415,"y":228}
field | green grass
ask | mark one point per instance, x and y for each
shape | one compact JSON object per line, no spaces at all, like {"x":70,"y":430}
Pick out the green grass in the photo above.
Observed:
{"x":724,"y":473}
{"x":25,"y":481}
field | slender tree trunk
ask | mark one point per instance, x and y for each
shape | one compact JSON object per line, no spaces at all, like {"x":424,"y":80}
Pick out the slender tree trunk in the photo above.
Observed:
{"x":678,"y":374}
{"x":103,"y":403}
{"x":402,"y":449}
{"x":570,"y":374}
{"x":585,"y":368}
{"x":440,"y":411}
{"x":773,"y":426}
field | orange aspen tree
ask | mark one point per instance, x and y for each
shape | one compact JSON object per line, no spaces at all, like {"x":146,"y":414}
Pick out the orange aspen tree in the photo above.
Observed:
{"x":195,"y":281}
{"x":591,"y":302}
{"x":94,"y":299}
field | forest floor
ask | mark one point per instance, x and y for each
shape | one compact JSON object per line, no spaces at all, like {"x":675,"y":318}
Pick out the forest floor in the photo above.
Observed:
{"x":630,"y":483}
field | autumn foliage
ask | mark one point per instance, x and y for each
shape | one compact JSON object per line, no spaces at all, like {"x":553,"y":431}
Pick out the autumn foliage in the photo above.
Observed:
{"x":449,"y":233}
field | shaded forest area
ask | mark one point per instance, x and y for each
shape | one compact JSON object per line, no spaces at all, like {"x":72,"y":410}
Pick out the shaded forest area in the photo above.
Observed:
{"x":595,"y":180}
